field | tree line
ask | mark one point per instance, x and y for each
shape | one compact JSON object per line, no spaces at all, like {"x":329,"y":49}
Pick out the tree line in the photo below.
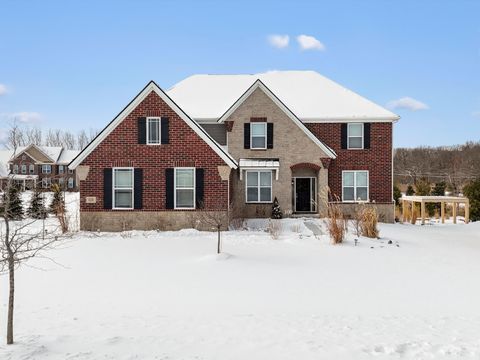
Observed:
{"x":455,"y":165}
{"x":23,"y":136}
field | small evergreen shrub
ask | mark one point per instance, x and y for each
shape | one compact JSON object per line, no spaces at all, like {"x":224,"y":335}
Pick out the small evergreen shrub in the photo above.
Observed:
{"x":397,"y":194}
{"x":58,"y":203}
{"x":276,"y":210}
{"x":14,"y":206}
{"x":410,"y":190}
{"x":472,"y":192}
{"x":36,"y":208}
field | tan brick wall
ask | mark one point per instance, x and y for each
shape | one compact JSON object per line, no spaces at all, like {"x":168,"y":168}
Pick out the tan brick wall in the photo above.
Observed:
{"x":290,"y":145}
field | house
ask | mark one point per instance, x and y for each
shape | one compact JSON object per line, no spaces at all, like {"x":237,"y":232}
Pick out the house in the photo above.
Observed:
{"x":235,"y":142}
{"x":42,"y":166}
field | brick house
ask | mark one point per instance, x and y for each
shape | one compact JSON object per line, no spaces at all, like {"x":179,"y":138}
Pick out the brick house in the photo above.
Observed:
{"x":235,"y":142}
{"x":41,"y":166}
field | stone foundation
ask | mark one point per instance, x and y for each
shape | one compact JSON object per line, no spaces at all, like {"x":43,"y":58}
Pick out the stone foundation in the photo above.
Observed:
{"x":386,"y":212}
{"x":149,"y":220}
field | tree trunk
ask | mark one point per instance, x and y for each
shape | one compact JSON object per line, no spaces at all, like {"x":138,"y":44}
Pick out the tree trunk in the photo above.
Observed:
{"x":11,"y":297}
{"x":218,"y":241}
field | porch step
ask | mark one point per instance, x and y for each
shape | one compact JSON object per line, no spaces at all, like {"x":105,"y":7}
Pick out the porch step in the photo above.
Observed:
{"x":307,"y":215}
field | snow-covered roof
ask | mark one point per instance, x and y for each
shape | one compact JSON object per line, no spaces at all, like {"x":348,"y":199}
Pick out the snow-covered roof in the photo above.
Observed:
{"x":309,"y":95}
{"x":260,"y":163}
{"x":52,"y":152}
{"x":5,"y":156}
{"x":67,"y":155}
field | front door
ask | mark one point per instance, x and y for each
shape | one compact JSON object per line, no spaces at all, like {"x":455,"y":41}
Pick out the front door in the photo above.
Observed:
{"x":303,"y":194}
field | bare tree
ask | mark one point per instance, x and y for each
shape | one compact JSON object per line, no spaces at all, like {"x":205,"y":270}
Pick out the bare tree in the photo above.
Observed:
{"x":215,"y":218}
{"x":68,"y":140}
{"x":15,"y":136}
{"x":82,"y":140}
{"x":53,"y":138}
{"x":34,"y":136}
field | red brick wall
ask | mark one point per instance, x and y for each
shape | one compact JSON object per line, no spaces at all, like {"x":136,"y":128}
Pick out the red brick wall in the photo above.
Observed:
{"x":121,"y":148}
{"x":377,"y":160}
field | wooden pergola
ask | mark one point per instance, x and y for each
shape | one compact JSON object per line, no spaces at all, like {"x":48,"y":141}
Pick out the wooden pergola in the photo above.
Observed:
{"x":422,"y":200}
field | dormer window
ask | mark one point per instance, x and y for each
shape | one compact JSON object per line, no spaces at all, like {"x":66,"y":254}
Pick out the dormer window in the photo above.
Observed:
{"x":258,"y":135}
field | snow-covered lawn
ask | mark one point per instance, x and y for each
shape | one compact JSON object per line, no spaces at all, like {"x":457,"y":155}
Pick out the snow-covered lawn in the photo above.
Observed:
{"x":165,"y":295}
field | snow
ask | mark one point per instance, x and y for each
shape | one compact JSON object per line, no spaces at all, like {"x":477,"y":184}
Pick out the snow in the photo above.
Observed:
{"x":67,"y":155}
{"x":167,"y":295}
{"x":308,"y":94}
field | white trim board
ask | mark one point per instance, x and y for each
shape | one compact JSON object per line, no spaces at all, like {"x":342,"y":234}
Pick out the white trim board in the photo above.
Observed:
{"x":259,"y":84}
{"x":152,"y":86}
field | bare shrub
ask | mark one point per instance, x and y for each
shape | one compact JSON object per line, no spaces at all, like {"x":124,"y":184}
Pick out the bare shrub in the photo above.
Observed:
{"x":237,"y":224}
{"x":414,"y":217}
{"x":274,"y":228}
{"x":295,"y":228}
{"x":369,"y":222}
{"x":336,"y":223}
{"x":407,"y":213}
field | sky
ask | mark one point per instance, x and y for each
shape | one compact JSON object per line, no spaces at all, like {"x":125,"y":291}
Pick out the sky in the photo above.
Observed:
{"x":75,"y":64}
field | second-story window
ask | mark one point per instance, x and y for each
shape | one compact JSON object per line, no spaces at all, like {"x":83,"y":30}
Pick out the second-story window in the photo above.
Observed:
{"x":60,"y":169}
{"x":31,"y":169}
{"x":24,"y":169}
{"x":355,"y":136}
{"x":258,"y":134}
{"x":46,"y":169}
{"x":153,"y":131}
{"x":15,"y":169}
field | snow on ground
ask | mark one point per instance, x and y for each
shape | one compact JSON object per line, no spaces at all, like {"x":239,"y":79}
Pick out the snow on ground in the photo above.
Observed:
{"x":166,"y":295}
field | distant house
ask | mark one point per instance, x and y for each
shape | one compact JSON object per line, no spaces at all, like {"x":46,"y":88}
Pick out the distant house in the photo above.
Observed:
{"x":41,"y":166}
{"x":235,"y":142}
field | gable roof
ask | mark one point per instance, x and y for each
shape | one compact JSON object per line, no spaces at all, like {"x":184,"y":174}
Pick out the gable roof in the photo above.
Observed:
{"x":152,"y":86}
{"x":309,"y":95}
{"x":260,"y":85}
{"x":51,"y":153}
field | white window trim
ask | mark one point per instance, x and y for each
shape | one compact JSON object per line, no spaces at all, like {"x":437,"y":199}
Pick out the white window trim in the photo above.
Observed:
{"x":46,"y":182}
{"x":70,"y":183}
{"x":258,"y":187}
{"x":15,"y":169}
{"x":49,"y":167}
{"x":251,"y":135}
{"x":355,"y":186}
{"x":31,"y":169}
{"x":61,"y":167}
{"x":159,"y":130}
{"x":348,"y":137}
{"x":113,"y":188}
{"x":24,"y":166}
{"x":175,"y":188}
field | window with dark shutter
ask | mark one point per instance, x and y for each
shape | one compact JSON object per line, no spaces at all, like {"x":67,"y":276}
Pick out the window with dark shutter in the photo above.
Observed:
{"x":199,"y":181}
{"x":164,"y":133}
{"x":142,"y":130}
{"x":269,"y":135}
{"x":344,"y":135}
{"x":246,"y":136}
{"x":366,"y":135}
{"x":138,"y":188}
{"x":169,"y":188}
{"x":107,"y":188}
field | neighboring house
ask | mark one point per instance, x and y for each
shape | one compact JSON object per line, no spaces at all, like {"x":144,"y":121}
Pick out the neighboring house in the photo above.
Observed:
{"x":41,"y":166}
{"x":218,"y":142}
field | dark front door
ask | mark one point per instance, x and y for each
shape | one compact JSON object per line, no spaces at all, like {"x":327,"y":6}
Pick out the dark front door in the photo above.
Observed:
{"x":303,"y":194}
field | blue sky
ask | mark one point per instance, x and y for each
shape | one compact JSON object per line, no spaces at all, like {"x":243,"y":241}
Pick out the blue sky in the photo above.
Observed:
{"x":76,"y":64}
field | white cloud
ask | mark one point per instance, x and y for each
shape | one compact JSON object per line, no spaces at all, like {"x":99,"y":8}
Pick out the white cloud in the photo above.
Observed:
{"x":3,"y":89}
{"x":308,"y":42}
{"x":279,"y":41}
{"x":407,"y":103}
{"x":24,"y":117}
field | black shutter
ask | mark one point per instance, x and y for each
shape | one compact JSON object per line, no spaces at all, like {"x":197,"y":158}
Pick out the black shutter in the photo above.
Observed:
{"x":344,"y":136}
{"x":142,"y":130}
{"x":199,"y":175}
{"x":269,"y":135}
{"x":164,"y":130}
{"x":246,"y":136}
{"x":169,"y":189}
{"x":366,"y":135}
{"x":107,"y":188}
{"x":138,"y":188}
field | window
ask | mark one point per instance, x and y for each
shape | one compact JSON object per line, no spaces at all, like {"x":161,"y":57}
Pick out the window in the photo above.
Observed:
{"x":259,"y":186}
{"x":258,"y":135}
{"x":70,"y":183}
{"x":60,"y":169}
{"x":61,"y":181}
{"x":31,"y":169}
{"x":24,"y":157}
{"x":355,"y":185}
{"x":70,"y":171}
{"x":355,"y":136}
{"x":153,"y":131}
{"x":122,"y":188}
{"x":24,"y":169}
{"x":184,"y":188}
{"x":15,"y":169}
{"x":46,"y":183}
{"x":46,"y":169}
